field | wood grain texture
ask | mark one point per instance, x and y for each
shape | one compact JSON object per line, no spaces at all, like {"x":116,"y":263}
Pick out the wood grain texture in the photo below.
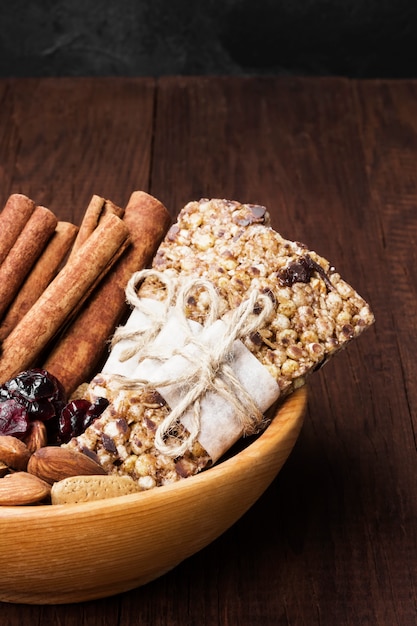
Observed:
{"x":334,"y":538}
{"x":63,"y":141}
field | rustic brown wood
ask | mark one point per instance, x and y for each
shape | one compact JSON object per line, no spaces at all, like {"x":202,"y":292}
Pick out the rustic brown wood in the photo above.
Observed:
{"x":334,"y":538}
{"x":62,"y":141}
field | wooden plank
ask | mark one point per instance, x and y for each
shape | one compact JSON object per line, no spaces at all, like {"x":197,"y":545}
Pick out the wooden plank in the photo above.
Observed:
{"x":61,"y":141}
{"x":388,"y":129}
{"x":333,"y":540}
{"x":295,"y":145}
{"x":65,"y":140}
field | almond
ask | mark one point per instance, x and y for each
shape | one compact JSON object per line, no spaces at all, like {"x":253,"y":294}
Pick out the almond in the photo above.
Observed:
{"x":21,"y":488}
{"x":53,"y":463}
{"x":4,"y":469}
{"x":37,"y":436}
{"x":14,"y":452}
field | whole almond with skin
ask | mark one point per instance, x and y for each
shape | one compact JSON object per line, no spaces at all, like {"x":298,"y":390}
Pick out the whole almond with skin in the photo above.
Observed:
{"x":21,"y":488}
{"x":37,"y":436}
{"x":53,"y":463}
{"x":3,"y":469}
{"x":14,"y":452}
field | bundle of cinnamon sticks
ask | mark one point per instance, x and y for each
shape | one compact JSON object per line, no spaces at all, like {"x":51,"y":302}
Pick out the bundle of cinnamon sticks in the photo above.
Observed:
{"x":62,"y":286}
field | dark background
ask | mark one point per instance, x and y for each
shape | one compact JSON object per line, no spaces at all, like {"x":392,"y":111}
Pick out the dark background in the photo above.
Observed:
{"x":356,"y":38}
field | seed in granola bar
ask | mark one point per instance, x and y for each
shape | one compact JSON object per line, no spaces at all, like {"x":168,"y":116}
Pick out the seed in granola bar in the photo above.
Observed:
{"x":108,"y":443}
{"x":348,"y":331}
{"x":153,"y":398}
{"x":150,"y":424}
{"x":173,"y":232}
{"x":122,"y":425}
{"x":243,"y":221}
{"x":91,"y":453}
{"x":295,"y":352}
{"x":184,"y":468}
{"x":256,"y":338}
{"x":257,"y":211}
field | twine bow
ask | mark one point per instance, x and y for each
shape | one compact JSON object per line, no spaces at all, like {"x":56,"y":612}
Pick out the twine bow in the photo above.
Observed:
{"x":209,"y":366}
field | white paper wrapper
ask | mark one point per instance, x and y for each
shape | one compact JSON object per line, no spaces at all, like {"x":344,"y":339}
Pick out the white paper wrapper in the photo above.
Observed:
{"x":220,"y":427}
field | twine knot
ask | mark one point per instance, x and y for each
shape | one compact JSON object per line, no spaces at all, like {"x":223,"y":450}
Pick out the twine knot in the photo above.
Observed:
{"x":209,"y":366}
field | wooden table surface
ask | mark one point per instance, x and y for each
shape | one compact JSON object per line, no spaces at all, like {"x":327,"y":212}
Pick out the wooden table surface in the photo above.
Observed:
{"x":333,"y":541}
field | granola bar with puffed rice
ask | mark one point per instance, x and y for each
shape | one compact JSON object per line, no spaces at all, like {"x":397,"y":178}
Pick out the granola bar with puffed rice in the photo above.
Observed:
{"x":122,"y":439}
{"x":233,"y":246}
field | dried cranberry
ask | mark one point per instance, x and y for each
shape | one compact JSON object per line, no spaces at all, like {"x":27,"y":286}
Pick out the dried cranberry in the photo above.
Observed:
{"x":38,"y":391}
{"x":301,"y":271}
{"x":72,"y":418}
{"x":94,"y":411}
{"x":36,"y":394}
{"x":13,"y":418}
{"x":76,"y":416}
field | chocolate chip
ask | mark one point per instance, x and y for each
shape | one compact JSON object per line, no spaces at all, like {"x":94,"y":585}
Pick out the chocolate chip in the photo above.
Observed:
{"x":256,"y":339}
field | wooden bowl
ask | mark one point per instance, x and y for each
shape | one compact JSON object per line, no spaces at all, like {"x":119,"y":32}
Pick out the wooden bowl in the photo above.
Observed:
{"x":77,"y":552}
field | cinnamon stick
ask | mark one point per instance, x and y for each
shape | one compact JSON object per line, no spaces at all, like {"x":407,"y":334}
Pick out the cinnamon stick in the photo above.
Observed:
{"x":63,"y":297}
{"x":26,"y":250}
{"x":76,"y":356}
{"x":97,"y":208}
{"x":13,"y":218}
{"x":44,"y":270}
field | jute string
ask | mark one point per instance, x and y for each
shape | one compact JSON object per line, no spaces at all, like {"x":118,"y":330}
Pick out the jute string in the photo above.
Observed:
{"x":209,"y":366}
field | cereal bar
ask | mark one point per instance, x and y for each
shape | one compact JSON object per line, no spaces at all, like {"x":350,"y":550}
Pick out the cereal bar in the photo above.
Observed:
{"x":123,"y":438}
{"x":233,"y":246}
